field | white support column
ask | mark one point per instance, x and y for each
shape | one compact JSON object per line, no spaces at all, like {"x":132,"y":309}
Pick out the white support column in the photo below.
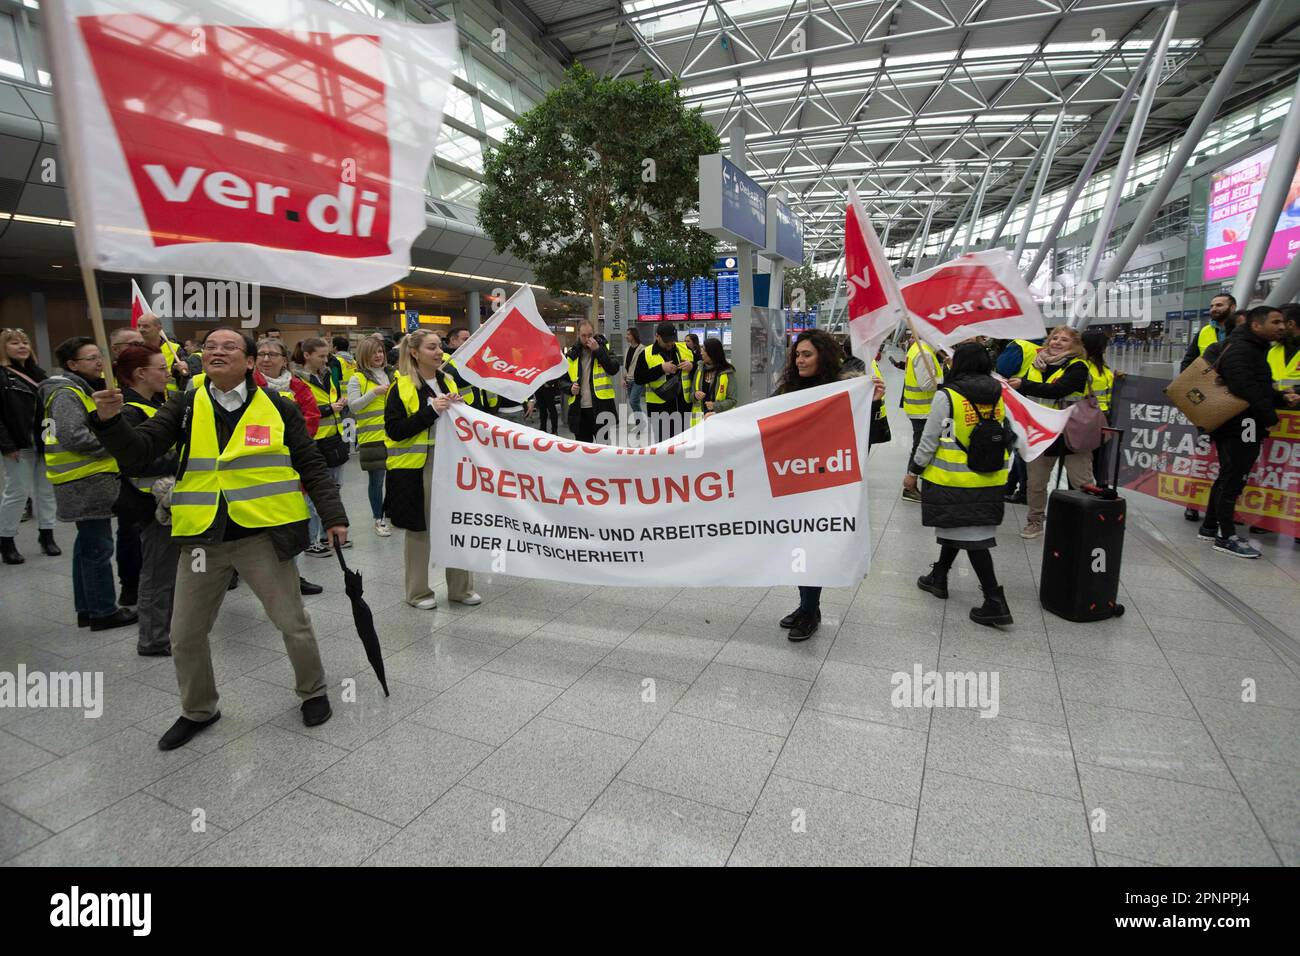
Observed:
{"x":1037,"y":194}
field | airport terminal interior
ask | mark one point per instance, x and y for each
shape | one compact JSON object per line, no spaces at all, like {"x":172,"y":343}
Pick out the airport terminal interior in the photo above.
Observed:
{"x":591,"y":724}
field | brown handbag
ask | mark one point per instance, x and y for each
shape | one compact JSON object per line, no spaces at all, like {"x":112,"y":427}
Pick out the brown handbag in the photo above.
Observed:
{"x":1200,"y":394}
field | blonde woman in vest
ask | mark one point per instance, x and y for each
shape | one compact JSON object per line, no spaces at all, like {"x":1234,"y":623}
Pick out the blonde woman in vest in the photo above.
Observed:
{"x":367,"y":390}
{"x":964,"y":507}
{"x":312,"y":357}
{"x":423,"y":390}
{"x":85,"y":482}
{"x":1057,"y":377}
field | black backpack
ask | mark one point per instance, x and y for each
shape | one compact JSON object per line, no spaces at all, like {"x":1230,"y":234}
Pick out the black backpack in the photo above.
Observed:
{"x":989,"y":442}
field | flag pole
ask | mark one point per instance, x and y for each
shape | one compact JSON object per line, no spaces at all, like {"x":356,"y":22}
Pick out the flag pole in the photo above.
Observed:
{"x":97,"y":321}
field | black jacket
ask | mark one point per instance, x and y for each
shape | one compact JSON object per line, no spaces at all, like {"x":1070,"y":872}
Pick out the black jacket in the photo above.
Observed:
{"x":1194,"y":349}
{"x":945,"y":507}
{"x":1243,"y":365}
{"x":404,"y":487}
{"x":135,"y":506}
{"x":644,"y":375}
{"x":137,"y":447}
{"x":18,"y":407}
{"x":1074,"y":380}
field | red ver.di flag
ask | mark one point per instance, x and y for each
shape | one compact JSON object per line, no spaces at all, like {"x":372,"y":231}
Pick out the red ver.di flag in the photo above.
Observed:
{"x":875,"y":302}
{"x":1036,"y":426}
{"x":981,"y":293}
{"x":285,"y":142}
{"x":513,"y":352}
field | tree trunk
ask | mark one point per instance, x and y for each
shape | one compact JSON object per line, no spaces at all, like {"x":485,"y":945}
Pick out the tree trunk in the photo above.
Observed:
{"x":597,"y":285}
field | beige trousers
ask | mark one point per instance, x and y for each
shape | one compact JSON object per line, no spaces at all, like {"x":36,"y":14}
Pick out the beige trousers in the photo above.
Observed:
{"x":460,"y":584}
{"x":198,"y":598}
{"x":1078,"y":468}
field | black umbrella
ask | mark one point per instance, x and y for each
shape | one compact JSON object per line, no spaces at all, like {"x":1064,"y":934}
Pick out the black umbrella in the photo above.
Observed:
{"x":361,"y":616}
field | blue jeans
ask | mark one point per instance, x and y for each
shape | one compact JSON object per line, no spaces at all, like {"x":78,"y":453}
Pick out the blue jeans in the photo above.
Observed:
{"x":810,"y":599}
{"x":315,"y":530}
{"x":376,"y":492}
{"x":92,"y":568}
{"x":636,"y":397}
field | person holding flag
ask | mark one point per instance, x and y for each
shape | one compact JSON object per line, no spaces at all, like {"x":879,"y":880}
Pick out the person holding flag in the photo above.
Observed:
{"x":151,"y":331}
{"x":1058,"y":377}
{"x":424,"y":389}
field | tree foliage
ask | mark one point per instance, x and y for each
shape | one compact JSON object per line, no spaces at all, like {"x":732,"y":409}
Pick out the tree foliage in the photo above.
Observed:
{"x":815,"y":287}
{"x":600,"y":172}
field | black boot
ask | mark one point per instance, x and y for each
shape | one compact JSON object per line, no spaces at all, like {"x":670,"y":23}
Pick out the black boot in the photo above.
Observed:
{"x":46,"y":539}
{"x":936,"y":582}
{"x":9,"y":552}
{"x":805,"y":625}
{"x":994,"y":610}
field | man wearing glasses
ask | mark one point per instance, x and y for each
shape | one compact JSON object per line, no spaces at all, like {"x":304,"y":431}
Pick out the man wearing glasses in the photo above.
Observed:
{"x":245,"y":454}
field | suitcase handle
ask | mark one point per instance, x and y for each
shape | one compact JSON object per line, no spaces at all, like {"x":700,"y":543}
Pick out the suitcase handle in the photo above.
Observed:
{"x":1111,"y":491}
{"x":1119,"y":444}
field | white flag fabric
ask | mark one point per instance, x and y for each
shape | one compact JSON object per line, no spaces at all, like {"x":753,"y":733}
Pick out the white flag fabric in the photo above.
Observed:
{"x":513,"y":352}
{"x":981,"y":293}
{"x":139,"y":305}
{"x":875,"y":304}
{"x":283,"y":142}
{"x":1036,"y":426}
{"x":769,"y":493}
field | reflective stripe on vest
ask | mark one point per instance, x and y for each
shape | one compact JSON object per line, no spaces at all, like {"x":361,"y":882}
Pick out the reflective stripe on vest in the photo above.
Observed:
{"x":723,"y":386}
{"x":1027,"y":352}
{"x":1285,"y":374}
{"x":601,"y":386}
{"x":653,"y":359}
{"x":254,"y":473}
{"x":324,"y":401}
{"x":949,"y":466}
{"x":143,"y":484}
{"x":1036,"y":375}
{"x":1102,"y":384}
{"x":412,"y":452}
{"x":917,"y":398}
{"x":370,"y":420}
{"x":62,"y":466}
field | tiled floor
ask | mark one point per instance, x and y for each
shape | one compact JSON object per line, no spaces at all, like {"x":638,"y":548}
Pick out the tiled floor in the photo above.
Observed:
{"x":558,"y":724}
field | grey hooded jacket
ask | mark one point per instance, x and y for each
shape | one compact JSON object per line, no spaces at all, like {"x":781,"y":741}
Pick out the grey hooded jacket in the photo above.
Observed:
{"x":86,"y":498}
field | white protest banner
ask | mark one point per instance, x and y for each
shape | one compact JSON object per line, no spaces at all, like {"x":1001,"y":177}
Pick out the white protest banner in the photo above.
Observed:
{"x":513,"y":352}
{"x":769,"y":493}
{"x":1036,"y":426}
{"x":875,"y":302}
{"x":981,"y":293}
{"x":285,"y":142}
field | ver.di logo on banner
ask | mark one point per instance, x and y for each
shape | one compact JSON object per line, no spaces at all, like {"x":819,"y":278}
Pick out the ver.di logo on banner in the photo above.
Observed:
{"x":811,"y":447}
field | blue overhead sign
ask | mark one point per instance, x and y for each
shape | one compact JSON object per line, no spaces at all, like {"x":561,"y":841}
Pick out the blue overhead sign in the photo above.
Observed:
{"x":784,"y":232}
{"x":732,"y":205}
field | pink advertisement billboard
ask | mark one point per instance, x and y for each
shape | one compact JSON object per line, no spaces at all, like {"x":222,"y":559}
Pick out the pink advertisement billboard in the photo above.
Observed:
{"x":1234,"y":195}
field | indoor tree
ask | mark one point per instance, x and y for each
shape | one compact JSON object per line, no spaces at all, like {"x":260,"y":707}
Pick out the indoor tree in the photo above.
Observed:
{"x":602,"y":171}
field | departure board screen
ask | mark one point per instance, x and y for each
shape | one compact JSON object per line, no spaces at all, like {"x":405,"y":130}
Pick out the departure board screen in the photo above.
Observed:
{"x":675,"y":307}
{"x":704,"y":299}
{"x":728,"y":293}
{"x":649,"y":305}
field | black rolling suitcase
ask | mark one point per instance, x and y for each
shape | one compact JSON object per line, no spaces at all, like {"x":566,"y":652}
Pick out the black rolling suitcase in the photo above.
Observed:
{"x":1083,"y":548}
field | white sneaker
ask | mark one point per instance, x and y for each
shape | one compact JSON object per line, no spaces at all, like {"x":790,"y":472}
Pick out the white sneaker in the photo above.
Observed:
{"x":428,"y":604}
{"x":472,"y":599}
{"x":381,"y":528}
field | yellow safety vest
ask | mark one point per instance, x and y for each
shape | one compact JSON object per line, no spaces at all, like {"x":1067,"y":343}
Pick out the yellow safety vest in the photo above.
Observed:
{"x":601,"y":386}
{"x":1027,"y":352}
{"x":61,"y":465}
{"x":346,"y":369}
{"x":143,"y":485}
{"x":698,"y":410}
{"x":172,"y":354}
{"x":882,"y":412}
{"x":1285,"y":374}
{"x":324,"y":401}
{"x":412,"y":452}
{"x":254,"y":472}
{"x":652,"y":360}
{"x":1102,"y":385}
{"x":1036,"y":375}
{"x":1208,"y":335}
{"x":370,"y":421}
{"x":949,"y":466}
{"x":916,"y":398}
